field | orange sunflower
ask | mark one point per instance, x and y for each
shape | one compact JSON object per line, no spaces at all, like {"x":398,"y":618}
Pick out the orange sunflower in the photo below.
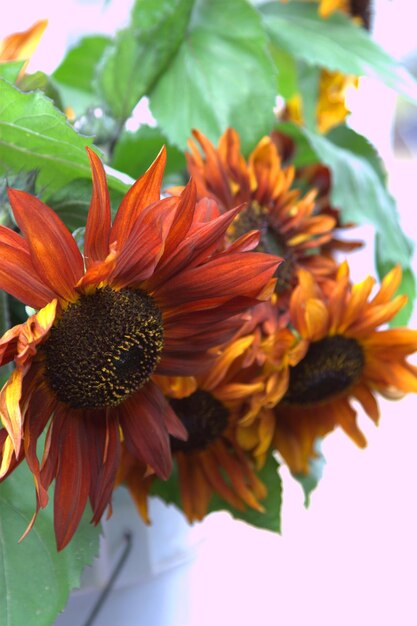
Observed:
{"x":150,"y":295}
{"x":345,"y":357}
{"x":288,"y":221}
{"x":210,"y":406}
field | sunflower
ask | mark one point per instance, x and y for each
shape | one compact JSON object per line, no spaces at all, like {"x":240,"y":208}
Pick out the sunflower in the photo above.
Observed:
{"x":345,"y":358}
{"x":287,"y":220}
{"x":149,"y":296}
{"x":241,"y":381}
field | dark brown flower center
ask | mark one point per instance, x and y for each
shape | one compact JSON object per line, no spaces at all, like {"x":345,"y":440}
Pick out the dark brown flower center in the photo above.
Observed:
{"x":104,"y":347}
{"x":252,"y":217}
{"x":330,"y":367}
{"x":204,"y":417}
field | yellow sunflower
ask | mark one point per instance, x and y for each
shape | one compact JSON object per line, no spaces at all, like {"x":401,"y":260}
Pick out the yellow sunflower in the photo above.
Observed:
{"x":150,"y":295}
{"x":287,"y":220}
{"x":346,"y":357}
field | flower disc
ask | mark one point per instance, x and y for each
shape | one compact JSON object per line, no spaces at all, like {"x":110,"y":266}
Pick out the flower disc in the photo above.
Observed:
{"x":204,"y":417}
{"x":330,"y":366}
{"x":104,"y":347}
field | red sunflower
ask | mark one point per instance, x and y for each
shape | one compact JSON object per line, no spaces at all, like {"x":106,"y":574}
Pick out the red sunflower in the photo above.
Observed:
{"x":151,"y":293}
{"x":288,"y":220}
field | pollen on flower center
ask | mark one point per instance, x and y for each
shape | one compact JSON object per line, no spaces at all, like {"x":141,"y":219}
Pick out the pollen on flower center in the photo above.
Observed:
{"x":204,"y":417}
{"x":330,"y":366}
{"x":104,"y":347}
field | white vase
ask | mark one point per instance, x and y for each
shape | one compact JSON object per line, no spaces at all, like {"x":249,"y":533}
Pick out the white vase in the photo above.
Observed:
{"x":154,"y":573}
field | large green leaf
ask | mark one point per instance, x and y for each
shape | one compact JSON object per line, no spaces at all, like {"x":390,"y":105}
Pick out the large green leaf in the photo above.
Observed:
{"x":359,"y":190}
{"x":336,"y":43}
{"x":75,"y":76}
{"x":135,"y":150}
{"x":221,"y":75}
{"x":35,"y":579}
{"x":139,"y":53}
{"x":36,"y":135}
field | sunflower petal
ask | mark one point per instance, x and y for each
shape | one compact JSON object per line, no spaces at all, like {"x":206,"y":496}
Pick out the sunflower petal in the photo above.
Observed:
{"x":72,"y":482}
{"x":97,"y":230}
{"x":17,"y":273}
{"x":144,"y":192}
{"x":103,"y":442}
{"x":145,"y":433}
{"x":44,"y":231}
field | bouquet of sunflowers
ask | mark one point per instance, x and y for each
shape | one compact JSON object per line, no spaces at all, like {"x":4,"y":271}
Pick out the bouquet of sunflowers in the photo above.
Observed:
{"x":186,"y":334}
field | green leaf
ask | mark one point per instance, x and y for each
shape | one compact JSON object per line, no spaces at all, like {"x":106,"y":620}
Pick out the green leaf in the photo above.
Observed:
{"x":221,"y":76}
{"x":308,"y":86}
{"x":140,"y":53}
{"x":75,"y":76}
{"x":134,"y":151}
{"x":42,"y":82}
{"x":35,"y":135}
{"x":35,"y":579}
{"x":270,"y":519}
{"x":287,"y":72}
{"x":358,"y":190}
{"x":310,"y":481}
{"x":10,"y":70}
{"x":336,"y":43}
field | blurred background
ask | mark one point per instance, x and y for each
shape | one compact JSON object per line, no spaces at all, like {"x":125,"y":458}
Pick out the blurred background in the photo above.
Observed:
{"x":351,"y":558}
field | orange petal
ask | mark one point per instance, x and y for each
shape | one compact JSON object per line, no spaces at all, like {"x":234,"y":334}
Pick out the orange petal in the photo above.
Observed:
{"x":17,"y":273}
{"x":97,"y":230}
{"x":144,"y":192}
{"x":316,"y":318}
{"x":19,"y":46}
{"x":54,"y":252}
{"x":389,"y":286}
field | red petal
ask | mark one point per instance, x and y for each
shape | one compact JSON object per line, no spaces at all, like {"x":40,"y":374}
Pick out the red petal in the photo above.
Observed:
{"x":221,"y":279}
{"x":144,"y":192}
{"x":97,"y":231}
{"x":103,"y":441}
{"x":194,"y":249}
{"x":183,"y":219}
{"x":72,"y":483}
{"x":54,"y":252}
{"x":143,"y":425}
{"x":144,"y":245}
{"x":17,"y":273}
